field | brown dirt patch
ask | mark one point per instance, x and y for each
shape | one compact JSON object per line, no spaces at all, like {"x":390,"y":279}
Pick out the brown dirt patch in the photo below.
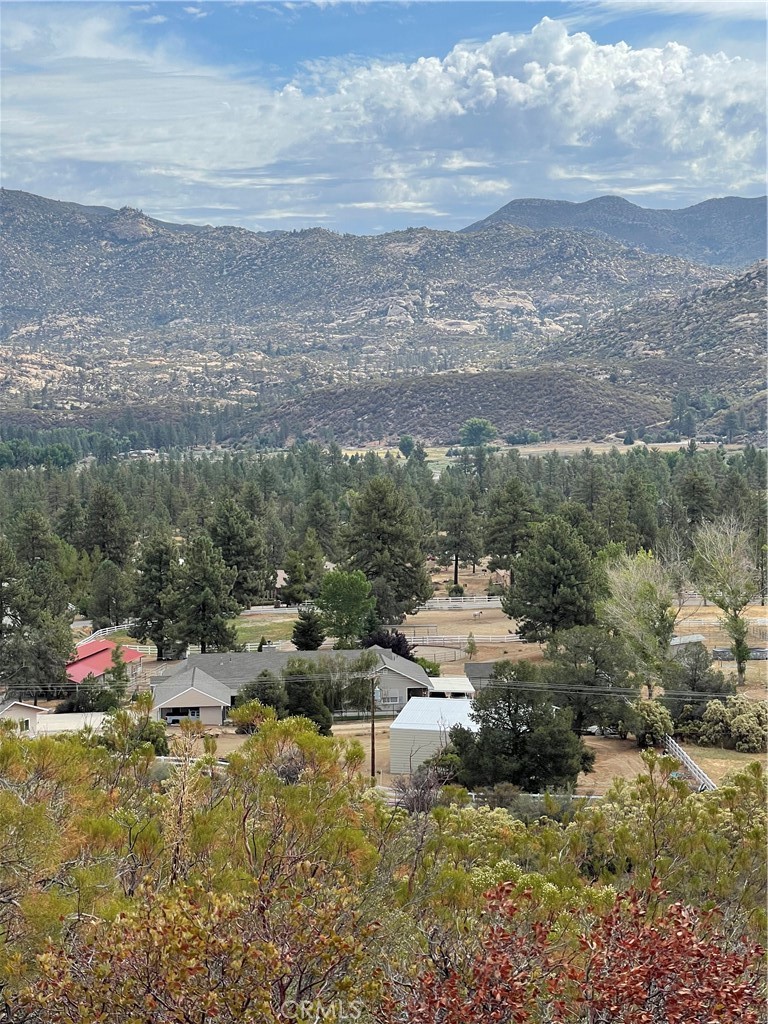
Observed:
{"x":614,"y":758}
{"x":361,"y":731}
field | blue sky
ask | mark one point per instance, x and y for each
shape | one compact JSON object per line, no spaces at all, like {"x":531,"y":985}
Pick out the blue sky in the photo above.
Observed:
{"x":367,"y":117}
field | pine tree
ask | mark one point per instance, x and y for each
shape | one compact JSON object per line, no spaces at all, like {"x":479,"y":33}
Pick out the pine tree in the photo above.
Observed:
{"x":294,"y":590}
{"x":461,"y":540}
{"x":308,"y":633}
{"x":304,"y":697}
{"x":241,"y":544}
{"x":107,"y":525}
{"x":313,"y":561}
{"x":511,"y":513}
{"x":110,"y":595}
{"x":155,"y":591}
{"x":320,"y":515}
{"x":384,"y":542}
{"x":554,"y":585}
{"x":205,"y":603}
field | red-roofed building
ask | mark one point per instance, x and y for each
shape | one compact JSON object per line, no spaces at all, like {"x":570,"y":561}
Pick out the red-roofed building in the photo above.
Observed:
{"x":94,"y":658}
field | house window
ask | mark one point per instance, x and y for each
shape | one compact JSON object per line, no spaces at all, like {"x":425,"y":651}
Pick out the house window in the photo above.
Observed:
{"x":25,"y":725}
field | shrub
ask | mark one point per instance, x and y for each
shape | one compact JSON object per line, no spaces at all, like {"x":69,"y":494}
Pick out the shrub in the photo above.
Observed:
{"x":739,"y":724}
{"x":649,"y":722}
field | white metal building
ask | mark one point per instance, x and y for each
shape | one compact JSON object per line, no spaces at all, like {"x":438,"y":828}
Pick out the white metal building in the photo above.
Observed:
{"x":422,"y":729}
{"x":450,"y":686}
{"x":72,"y":721}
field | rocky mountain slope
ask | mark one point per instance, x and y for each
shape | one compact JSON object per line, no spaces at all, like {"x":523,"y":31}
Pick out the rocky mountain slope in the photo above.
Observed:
{"x":726,"y":322}
{"x":728,"y":232}
{"x":402,"y":332}
{"x":78,"y":275}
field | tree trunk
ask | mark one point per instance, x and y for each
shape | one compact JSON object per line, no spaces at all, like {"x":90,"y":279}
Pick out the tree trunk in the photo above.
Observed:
{"x":456,"y":569}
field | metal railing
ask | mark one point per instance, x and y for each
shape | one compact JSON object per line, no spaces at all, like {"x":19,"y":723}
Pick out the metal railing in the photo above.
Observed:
{"x":676,"y":751}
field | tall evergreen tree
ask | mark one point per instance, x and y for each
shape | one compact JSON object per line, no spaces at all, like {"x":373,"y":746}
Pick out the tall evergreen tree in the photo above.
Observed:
{"x":384,"y":542}
{"x":461,"y":539}
{"x":294,"y":590}
{"x":303,"y":689}
{"x":205,"y":603}
{"x":308,"y":632}
{"x":511,"y":514}
{"x":155,"y":591}
{"x":110,"y":595}
{"x":313,"y":561}
{"x":241,"y":544}
{"x":107,"y":525}
{"x":554,"y":585}
{"x":320,"y":515}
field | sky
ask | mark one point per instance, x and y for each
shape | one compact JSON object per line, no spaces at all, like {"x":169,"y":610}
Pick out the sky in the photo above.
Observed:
{"x":370,"y":117}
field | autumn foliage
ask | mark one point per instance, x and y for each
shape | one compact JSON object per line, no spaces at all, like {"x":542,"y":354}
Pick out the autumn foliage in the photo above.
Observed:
{"x":641,"y":963}
{"x":277,"y":888}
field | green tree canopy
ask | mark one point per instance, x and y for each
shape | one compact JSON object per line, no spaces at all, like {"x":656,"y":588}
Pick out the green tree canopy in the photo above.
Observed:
{"x":555,"y":583}
{"x":155,"y":591}
{"x":205,"y":602}
{"x":384,"y":542}
{"x":308,"y":633}
{"x":345,"y":602}
{"x":241,"y":543}
{"x":521,"y":737}
{"x":477,"y":431}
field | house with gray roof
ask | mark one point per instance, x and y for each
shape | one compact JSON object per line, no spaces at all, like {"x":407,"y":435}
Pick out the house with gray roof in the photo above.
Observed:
{"x":397,"y":678}
{"x":191,"y":693}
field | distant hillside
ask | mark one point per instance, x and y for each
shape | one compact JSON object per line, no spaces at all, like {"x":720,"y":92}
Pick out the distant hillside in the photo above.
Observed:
{"x":73,"y":274}
{"x":433,"y":408}
{"x":725,"y":323}
{"x":104,"y":308}
{"x":728,"y":232}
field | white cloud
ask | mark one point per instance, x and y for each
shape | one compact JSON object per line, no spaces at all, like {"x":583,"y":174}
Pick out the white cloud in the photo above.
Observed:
{"x":727,"y":10}
{"x":545,"y":112}
{"x":155,"y":19}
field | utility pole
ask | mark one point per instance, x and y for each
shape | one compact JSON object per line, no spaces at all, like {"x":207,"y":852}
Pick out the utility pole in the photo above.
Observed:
{"x":373,"y":726}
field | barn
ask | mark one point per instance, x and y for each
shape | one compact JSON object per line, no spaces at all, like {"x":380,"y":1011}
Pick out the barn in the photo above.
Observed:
{"x":422,"y":729}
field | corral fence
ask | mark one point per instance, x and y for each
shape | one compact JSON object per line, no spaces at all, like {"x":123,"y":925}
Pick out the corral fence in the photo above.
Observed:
{"x":675,"y":750}
{"x":122,"y":628}
{"x":445,"y":604}
{"x":461,"y":641}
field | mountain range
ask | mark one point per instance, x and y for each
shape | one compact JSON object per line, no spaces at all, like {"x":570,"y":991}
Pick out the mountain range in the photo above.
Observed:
{"x":103,"y":307}
{"x":728,"y":232}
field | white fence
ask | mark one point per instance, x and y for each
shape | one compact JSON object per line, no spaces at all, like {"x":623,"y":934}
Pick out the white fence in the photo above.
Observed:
{"x":149,"y":650}
{"x":123,"y":627}
{"x":461,"y":641}
{"x":688,"y":763}
{"x":446,"y":604}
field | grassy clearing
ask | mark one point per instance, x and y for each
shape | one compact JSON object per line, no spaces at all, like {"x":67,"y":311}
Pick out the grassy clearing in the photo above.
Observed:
{"x":718,"y":762}
{"x":250,"y":630}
